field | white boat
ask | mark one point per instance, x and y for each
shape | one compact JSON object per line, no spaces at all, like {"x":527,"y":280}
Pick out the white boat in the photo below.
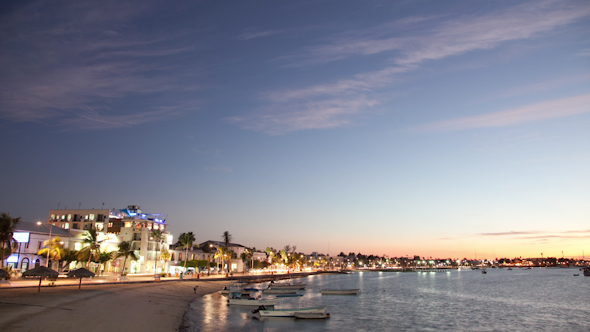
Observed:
{"x":311,"y":315}
{"x":290,"y":312}
{"x":280,"y":291}
{"x":253,"y":302}
{"x":340,"y":291}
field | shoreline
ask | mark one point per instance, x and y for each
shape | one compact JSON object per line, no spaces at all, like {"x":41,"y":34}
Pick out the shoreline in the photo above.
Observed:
{"x":101,"y":307}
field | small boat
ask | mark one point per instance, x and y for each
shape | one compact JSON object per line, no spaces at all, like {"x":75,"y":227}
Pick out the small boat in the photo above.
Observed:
{"x":340,"y":291}
{"x":587,"y":271}
{"x":263,"y":312}
{"x":311,"y":315}
{"x":253,"y":302}
{"x":576,"y":274}
{"x":280,"y":291}
{"x":510,"y":269}
{"x":288,"y":295}
{"x":484,"y":272}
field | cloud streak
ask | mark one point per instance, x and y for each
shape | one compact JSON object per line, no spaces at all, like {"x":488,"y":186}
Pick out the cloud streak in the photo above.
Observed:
{"x":417,"y":44}
{"x":540,"y":111}
{"x":71,"y":64}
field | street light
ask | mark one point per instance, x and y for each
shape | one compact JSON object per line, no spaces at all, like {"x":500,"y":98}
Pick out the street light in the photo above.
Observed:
{"x":48,"y":242}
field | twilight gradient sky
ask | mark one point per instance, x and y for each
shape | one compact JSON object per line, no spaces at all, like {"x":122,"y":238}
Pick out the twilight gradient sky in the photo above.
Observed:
{"x":431,"y":128}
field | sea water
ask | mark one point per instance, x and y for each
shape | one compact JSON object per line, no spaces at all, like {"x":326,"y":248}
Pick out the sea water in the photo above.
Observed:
{"x":538,"y":299}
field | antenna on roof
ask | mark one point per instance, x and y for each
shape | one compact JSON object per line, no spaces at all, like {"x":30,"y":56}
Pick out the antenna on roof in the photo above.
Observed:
{"x":58,"y":205}
{"x":102,"y":205}
{"x":79,"y":205}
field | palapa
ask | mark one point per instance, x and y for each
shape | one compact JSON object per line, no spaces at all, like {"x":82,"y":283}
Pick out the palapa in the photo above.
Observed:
{"x":81,"y":273}
{"x":41,"y":272}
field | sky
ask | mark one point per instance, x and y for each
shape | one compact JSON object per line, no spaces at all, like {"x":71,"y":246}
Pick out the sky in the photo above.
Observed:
{"x":432,"y":128}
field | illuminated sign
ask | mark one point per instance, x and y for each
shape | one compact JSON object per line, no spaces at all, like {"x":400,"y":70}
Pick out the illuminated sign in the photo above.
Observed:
{"x":12,"y":259}
{"x":21,"y":237}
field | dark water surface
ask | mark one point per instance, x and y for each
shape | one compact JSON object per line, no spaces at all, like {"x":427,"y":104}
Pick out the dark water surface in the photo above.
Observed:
{"x":541,"y":299}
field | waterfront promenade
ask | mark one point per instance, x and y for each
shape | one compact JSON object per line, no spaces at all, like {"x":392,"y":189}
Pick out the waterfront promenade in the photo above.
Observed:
{"x":102,"y":304}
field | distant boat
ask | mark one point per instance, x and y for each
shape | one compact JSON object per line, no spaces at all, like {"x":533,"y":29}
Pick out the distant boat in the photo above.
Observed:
{"x":509,"y":268}
{"x":280,"y":291}
{"x":253,"y":302}
{"x":576,"y":274}
{"x":288,"y":295}
{"x":484,"y":271}
{"x":263,"y":312}
{"x":340,"y":291}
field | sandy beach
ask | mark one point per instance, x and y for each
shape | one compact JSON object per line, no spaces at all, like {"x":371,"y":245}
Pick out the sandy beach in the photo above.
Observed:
{"x":123,"y":307}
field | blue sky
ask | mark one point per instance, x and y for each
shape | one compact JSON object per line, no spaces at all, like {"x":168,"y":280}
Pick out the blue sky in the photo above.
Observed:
{"x":448,"y":129}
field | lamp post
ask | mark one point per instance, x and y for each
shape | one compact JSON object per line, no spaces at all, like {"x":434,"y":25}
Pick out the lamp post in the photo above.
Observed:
{"x":48,"y":242}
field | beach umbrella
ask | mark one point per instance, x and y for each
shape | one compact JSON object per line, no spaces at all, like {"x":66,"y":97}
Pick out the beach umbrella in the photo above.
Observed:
{"x":41,"y":272}
{"x":3,"y":274}
{"x":81,"y":273}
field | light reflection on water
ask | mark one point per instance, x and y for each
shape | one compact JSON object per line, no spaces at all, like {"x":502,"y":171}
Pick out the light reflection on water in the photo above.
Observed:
{"x":501,"y":300}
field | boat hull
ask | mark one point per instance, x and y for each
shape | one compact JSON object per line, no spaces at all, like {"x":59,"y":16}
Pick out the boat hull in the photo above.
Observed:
{"x":291,"y":312}
{"x":340,"y":291}
{"x":252,"y":302}
{"x":280,"y":291}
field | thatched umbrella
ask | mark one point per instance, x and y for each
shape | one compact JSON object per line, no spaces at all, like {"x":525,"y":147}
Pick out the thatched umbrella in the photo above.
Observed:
{"x":41,"y":272}
{"x":81,"y":273}
{"x":3,"y":274}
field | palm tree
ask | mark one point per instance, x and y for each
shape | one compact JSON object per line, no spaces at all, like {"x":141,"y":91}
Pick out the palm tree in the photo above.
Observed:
{"x":158,"y":236}
{"x":164,"y":256}
{"x":226,"y":236}
{"x":7,"y":243}
{"x":125,"y":250}
{"x":54,"y":249}
{"x":92,"y":250}
{"x":67,"y":257}
{"x":220,"y":253}
{"x":186,"y":241}
{"x":103,"y":258}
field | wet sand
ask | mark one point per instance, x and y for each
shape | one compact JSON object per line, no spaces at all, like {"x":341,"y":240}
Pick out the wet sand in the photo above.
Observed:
{"x":117,"y":307}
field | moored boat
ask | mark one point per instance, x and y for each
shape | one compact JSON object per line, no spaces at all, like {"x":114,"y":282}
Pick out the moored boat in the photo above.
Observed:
{"x":340,"y":291}
{"x":587,"y":271}
{"x":253,"y":302}
{"x":280,"y":291}
{"x":289,"y":312}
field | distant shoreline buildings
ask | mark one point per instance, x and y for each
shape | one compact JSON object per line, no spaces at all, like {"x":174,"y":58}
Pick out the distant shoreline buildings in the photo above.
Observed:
{"x":131,"y":224}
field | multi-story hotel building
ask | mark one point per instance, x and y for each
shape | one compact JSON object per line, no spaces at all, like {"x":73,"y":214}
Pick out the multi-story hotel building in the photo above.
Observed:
{"x":114,"y":226}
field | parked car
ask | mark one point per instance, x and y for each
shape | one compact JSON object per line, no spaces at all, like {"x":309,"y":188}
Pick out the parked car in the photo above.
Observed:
{"x":64,"y":273}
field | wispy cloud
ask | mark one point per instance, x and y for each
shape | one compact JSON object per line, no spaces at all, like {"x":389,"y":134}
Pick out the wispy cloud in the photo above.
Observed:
{"x":68,"y":64}
{"x":447,"y":37}
{"x":442,"y":37}
{"x":257,"y":34}
{"x":536,"y":112}
{"x":541,"y":236}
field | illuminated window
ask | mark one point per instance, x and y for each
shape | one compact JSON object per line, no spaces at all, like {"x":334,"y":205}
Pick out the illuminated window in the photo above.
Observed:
{"x":69,"y":217}
{"x":67,"y":226}
{"x":53,"y":216}
{"x":127,"y":224}
{"x":63,"y":216}
{"x":86,"y":217}
{"x":77,"y":246}
{"x":92,"y":217}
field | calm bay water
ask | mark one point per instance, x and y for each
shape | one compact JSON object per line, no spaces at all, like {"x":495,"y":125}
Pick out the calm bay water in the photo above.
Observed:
{"x":541,"y":299}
